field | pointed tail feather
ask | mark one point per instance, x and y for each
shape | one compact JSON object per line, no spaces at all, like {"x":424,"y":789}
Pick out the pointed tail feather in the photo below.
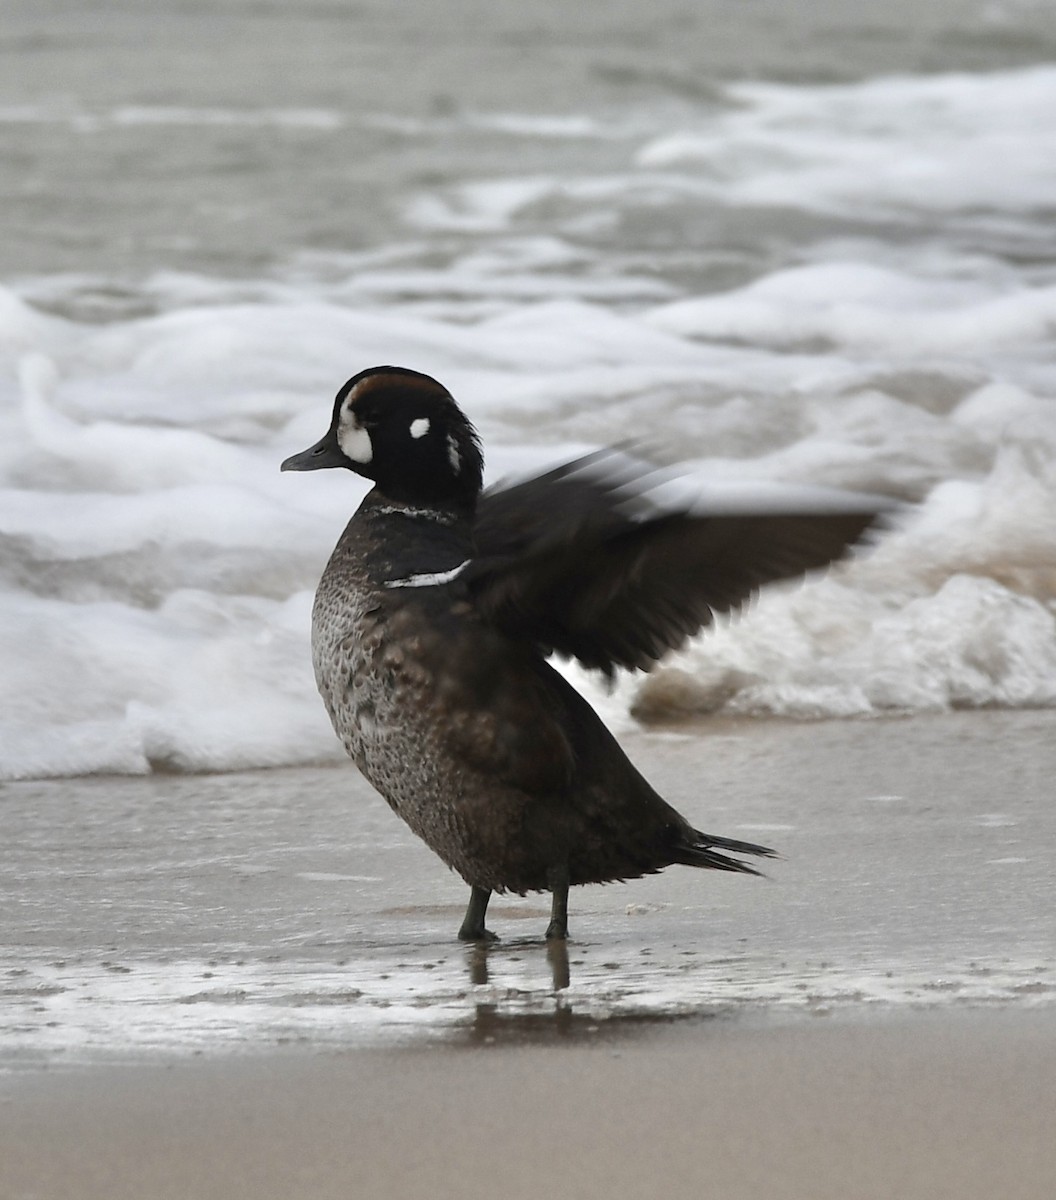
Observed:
{"x":703,"y":852}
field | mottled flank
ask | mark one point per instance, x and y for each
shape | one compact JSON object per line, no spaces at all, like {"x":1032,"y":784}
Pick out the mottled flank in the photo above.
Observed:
{"x":438,"y":607}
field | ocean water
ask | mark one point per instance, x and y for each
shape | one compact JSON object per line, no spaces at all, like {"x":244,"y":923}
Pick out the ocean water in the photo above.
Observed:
{"x":771,"y":245}
{"x":775,"y":243}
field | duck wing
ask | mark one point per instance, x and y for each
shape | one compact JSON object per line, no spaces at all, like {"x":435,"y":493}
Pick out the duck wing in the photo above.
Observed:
{"x":583,"y":561}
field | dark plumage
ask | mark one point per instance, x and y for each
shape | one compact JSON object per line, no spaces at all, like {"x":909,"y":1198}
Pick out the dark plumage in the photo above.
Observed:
{"x":438,"y":607}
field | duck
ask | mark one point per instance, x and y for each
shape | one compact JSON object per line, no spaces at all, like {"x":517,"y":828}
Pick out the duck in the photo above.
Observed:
{"x":442,"y":605}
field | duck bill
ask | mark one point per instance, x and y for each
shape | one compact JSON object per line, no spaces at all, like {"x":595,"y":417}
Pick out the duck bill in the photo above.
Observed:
{"x":325,"y":453}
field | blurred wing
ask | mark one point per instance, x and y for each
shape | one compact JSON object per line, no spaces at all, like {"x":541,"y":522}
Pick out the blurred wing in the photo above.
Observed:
{"x":582,"y":562}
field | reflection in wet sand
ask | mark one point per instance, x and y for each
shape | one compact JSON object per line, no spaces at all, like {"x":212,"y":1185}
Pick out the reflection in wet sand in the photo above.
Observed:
{"x":542,"y":1018}
{"x":556,"y":954}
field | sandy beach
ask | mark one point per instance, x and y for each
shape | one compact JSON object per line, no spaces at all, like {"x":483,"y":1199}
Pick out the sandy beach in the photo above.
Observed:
{"x":925,"y":1106}
{"x":776,"y":245}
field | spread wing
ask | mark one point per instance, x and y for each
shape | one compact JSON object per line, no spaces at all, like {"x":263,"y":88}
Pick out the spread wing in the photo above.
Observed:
{"x":582,"y":562}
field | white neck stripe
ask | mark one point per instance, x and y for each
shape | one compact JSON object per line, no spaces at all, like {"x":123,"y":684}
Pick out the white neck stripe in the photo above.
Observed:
{"x":428,"y":580}
{"x":429,"y":514}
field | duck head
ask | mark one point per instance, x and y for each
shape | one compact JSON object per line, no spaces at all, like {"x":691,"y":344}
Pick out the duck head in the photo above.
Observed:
{"x":403,"y":430}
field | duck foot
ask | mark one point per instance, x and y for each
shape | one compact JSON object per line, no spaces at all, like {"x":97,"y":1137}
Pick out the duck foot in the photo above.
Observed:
{"x":472,"y":929}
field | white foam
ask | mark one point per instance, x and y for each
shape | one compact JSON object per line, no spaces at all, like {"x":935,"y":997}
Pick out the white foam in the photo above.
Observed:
{"x":865,"y":307}
{"x":879,"y":146}
{"x":201,"y":683}
{"x":87,"y":1012}
{"x":888,"y":149}
{"x":954,"y":609}
{"x":156,"y":569}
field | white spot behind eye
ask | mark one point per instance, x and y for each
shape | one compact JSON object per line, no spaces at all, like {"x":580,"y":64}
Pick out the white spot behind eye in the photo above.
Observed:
{"x":420,"y":427}
{"x":453,"y":454}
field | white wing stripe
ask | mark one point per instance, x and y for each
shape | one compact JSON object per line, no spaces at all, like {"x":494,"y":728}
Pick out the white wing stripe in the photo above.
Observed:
{"x":428,"y":580}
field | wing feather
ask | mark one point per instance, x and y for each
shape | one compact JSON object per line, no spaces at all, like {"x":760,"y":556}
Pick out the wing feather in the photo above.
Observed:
{"x":583,"y":563}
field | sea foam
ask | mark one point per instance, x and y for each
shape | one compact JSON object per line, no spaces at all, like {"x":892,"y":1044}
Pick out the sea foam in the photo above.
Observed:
{"x":156,"y":570}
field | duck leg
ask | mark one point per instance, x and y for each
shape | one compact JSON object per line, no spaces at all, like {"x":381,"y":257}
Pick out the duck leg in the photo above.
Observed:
{"x":473,"y":923}
{"x":558,"y":881}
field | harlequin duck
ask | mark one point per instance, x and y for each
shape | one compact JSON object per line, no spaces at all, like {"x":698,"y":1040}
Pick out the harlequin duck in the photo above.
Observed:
{"x":437,"y":610}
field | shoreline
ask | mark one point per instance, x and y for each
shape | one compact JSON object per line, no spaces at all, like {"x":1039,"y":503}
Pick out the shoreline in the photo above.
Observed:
{"x":270,"y":908}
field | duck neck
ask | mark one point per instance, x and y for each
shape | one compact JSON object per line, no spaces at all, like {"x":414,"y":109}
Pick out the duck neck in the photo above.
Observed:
{"x":445,"y":515}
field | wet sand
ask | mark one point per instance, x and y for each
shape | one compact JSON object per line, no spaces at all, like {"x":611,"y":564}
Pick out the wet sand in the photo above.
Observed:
{"x":249,"y":986}
{"x":927,"y":1106}
{"x":244,"y":913}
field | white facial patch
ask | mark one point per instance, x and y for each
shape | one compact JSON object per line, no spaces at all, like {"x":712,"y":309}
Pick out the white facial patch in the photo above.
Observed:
{"x":419,"y":428}
{"x":353,"y":439}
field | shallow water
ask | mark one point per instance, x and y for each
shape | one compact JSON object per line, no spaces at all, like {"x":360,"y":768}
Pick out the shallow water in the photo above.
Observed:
{"x":243,"y":911}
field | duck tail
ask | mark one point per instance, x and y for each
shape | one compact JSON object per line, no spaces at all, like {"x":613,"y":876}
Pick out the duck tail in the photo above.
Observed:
{"x":703,"y":850}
